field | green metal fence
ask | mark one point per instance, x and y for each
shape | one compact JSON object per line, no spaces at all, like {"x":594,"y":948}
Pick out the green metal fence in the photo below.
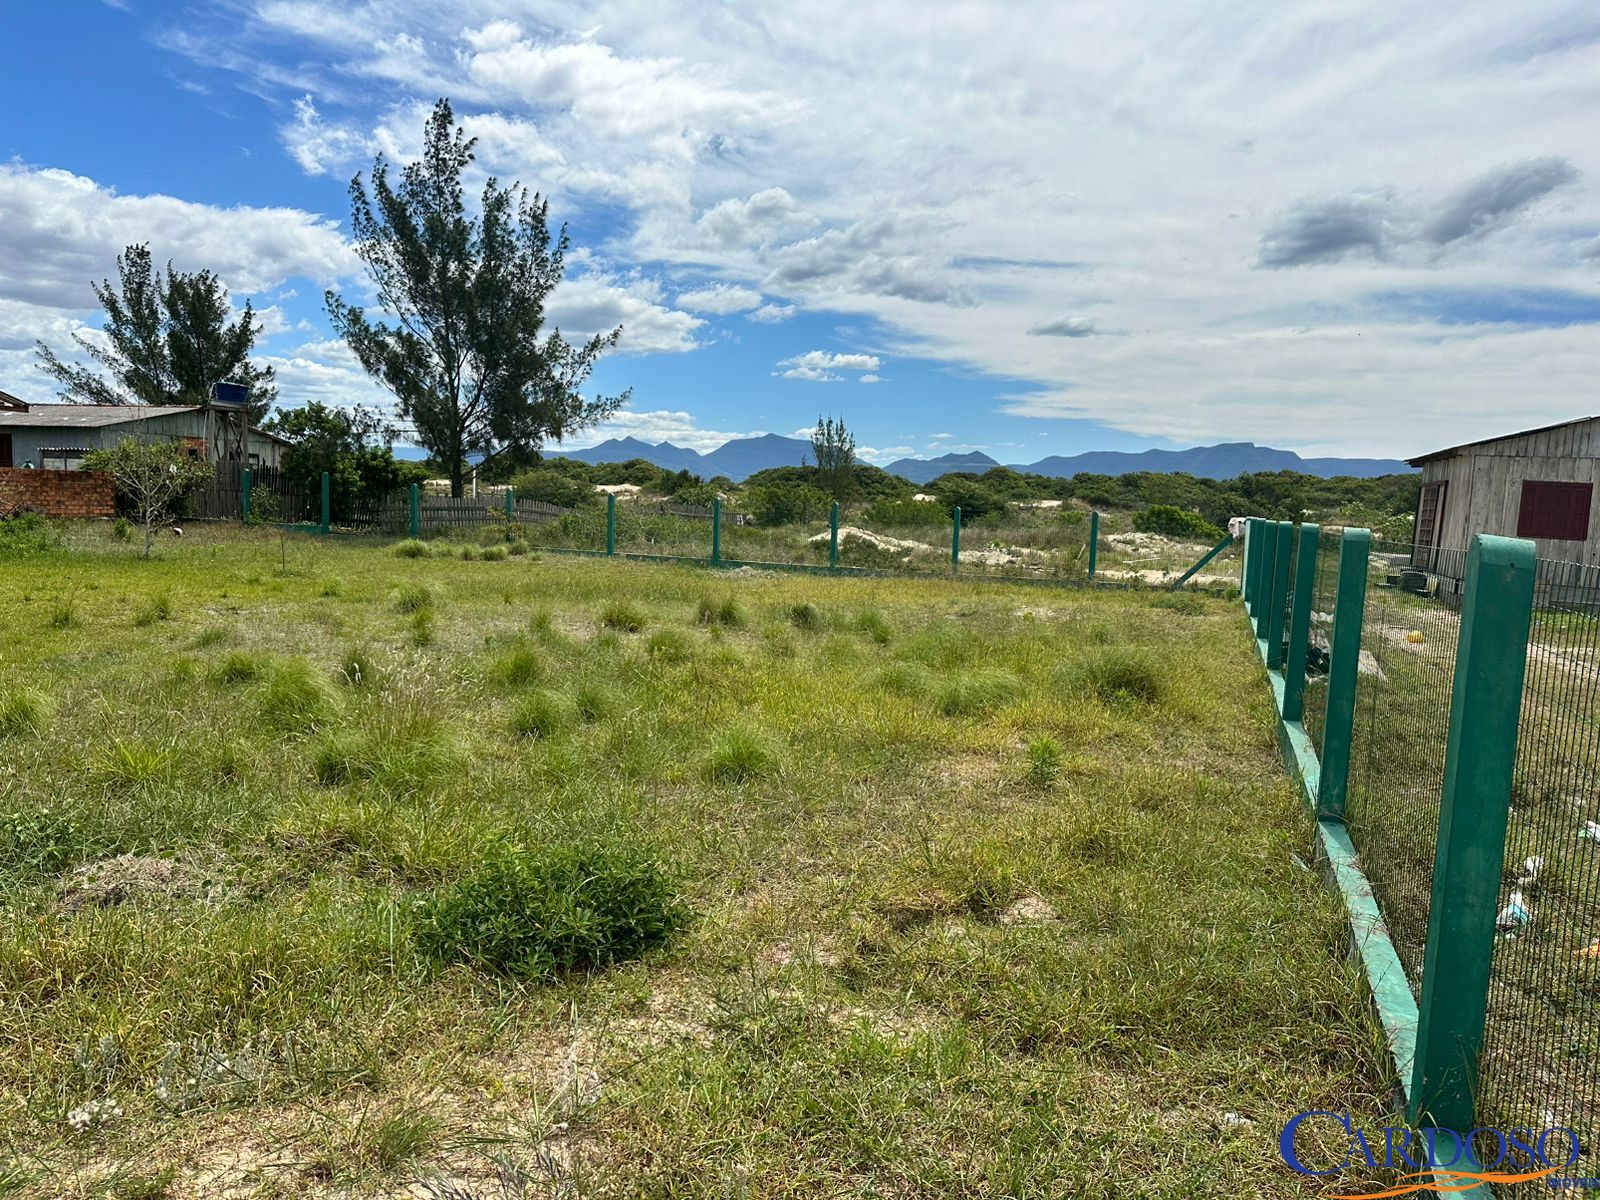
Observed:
{"x":1447,"y":728}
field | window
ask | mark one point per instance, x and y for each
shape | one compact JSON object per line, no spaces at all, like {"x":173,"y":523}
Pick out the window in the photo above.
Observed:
{"x":1558,"y":511}
{"x":61,"y":458}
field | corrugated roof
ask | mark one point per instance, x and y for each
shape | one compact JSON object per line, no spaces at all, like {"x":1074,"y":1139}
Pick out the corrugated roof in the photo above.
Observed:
{"x":1449,"y":450}
{"x":88,"y":416}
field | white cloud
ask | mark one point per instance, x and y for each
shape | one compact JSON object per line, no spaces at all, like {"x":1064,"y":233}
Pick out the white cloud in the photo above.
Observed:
{"x":821,"y":366}
{"x":720,"y":299}
{"x":870,"y":378}
{"x":595,"y":301}
{"x":320,"y":148}
{"x":777,"y":314}
{"x":660,"y":425}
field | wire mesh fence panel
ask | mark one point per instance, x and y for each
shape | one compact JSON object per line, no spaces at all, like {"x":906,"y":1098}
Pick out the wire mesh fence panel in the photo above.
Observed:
{"x":545,"y":526}
{"x":1324,"y":589}
{"x":1541,"y":1059}
{"x":913,"y":537}
{"x":1028,"y":543}
{"x":1402,"y":718}
{"x":673,"y":530}
{"x":802,"y":541}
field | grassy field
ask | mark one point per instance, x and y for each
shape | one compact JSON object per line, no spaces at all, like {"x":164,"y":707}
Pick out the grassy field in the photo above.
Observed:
{"x":890,"y":887}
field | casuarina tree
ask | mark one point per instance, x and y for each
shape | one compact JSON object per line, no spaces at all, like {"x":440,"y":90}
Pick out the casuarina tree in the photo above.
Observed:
{"x":835,"y":449}
{"x":166,"y":340}
{"x":466,"y":356}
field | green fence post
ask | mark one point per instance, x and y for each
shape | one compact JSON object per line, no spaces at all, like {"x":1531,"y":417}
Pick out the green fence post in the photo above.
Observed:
{"x":1094,"y":541}
{"x":1344,"y":668}
{"x":1480,"y":754}
{"x":1252,"y":584}
{"x":716,"y":531}
{"x":1244,"y":563}
{"x":955,"y":540}
{"x":244,"y":496}
{"x":416,"y":511}
{"x":327,"y":503}
{"x":1264,"y":576}
{"x":1305,"y":586}
{"x":611,"y":523}
{"x":1281,"y":535}
{"x":511,"y":503}
{"x":833,"y":538}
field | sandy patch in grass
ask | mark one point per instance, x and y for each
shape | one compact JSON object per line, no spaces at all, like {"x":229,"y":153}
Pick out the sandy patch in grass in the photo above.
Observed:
{"x":130,"y":878}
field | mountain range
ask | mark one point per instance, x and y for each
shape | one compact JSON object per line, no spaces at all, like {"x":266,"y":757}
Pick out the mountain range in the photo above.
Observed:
{"x":742,"y":457}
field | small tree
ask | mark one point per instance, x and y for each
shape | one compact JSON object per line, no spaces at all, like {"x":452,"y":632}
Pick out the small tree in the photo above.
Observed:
{"x":151,"y":477}
{"x":834,"y":448}
{"x":352,"y":446}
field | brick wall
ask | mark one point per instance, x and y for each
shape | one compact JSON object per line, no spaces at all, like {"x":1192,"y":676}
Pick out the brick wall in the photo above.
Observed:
{"x":57,"y":493}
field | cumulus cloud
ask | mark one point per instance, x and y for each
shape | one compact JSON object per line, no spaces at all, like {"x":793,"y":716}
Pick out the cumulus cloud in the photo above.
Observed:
{"x":821,"y":366}
{"x":1493,"y":199}
{"x":1321,"y":231}
{"x":597,"y":302}
{"x":772,"y":314}
{"x":720,"y":299}
{"x":752,"y":221}
{"x":868,"y":256}
{"x":659,"y":425}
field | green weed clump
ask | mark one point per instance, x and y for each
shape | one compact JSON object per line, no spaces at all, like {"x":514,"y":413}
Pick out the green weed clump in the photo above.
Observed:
{"x":1117,"y":673}
{"x":40,"y":839}
{"x":23,"y":710}
{"x":740,"y":753}
{"x":968,"y":693}
{"x":534,"y":915}
{"x":620,"y":614}
{"x":495,"y":553}
{"x":412,"y":598}
{"x":875,"y":625}
{"x":516,"y":547}
{"x":412,"y":548}
{"x":543,"y":713}
{"x":519,"y":667}
{"x":669,"y":646}
{"x":24,"y":536}
{"x":62,"y":615}
{"x":726,"y":613}
{"x":422,"y":635}
{"x":238,"y":667}
{"x":1044,"y":761}
{"x":296,"y":698}
{"x":401,"y":759}
{"x":805,"y":616}
{"x":1186,"y":603}
{"x":159,"y":608}
{"x":468,"y":553}
{"x":357,"y":669}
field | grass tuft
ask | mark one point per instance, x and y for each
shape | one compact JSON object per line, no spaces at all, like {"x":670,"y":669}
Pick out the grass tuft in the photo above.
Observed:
{"x":519,"y":667}
{"x":412,"y":548}
{"x":495,"y":553}
{"x":726,"y":613}
{"x":239,"y":666}
{"x":23,"y":711}
{"x":1044,"y":761}
{"x":542,"y":714}
{"x":297,"y":698}
{"x":968,"y":693}
{"x":669,"y":646}
{"x":413,"y":598}
{"x":533,"y":915}
{"x":623,"y":615}
{"x":1117,"y":673}
{"x":740,"y":753}
{"x":875,"y":625}
{"x":806,"y":616}
{"x":158,"y":608}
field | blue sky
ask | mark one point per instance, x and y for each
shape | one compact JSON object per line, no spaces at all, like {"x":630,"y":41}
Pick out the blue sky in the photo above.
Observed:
{"x":1371,"y":232}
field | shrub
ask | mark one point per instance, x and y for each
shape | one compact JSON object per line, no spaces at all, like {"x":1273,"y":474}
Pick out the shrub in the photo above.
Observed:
{"x":122,"y":530}
{"x":1044,"y":760}
{"x":412,"y":597}
{"x":39,"y":838}
{"x":903,"y":514}
{"x":297,"y":697}
{"x":552,"y":487}
{"x":786,"y":503}
{"x":411,"y":548}
{"x":24,"y":536}
{"x":495,"y":553}
{"x":805,"y":616}
{"x":1117,"y":672}
{"x":23,"y":710}
{"x":620,"y":614}
{"x":967,"y":693}
{"x":468,"y":553}
{"x":739,"y":753}
{"x":532,"y":915}
{"x":543,"y":714}
{"x":727,"y":613}
{"x":971,"y":497}
{"x":1172,"y":521}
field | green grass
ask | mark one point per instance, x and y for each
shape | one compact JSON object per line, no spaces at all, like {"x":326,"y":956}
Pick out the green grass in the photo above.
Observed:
{"x":885,"y":886}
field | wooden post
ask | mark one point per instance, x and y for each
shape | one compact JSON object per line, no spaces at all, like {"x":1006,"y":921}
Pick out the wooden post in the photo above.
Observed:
{"x":1344,"y":667}
{"x":416,"y":511}
{"x":244,"y":495}
{"x":1282,"y":536}
{"x":327,"y":503}
{"x":1480,"y":754}
{"x":716,"y":531}
{"x":611,"y":523}
{"x":1305,"y":587}
{"x":955,"y":540}
{"x":833,"y":538}
{"x":1094,"y":541}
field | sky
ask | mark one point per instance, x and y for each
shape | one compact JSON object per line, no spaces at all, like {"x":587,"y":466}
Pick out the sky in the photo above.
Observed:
{"x":1346,"y":227}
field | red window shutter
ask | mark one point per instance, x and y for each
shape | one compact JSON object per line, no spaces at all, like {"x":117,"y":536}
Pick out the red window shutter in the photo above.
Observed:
{"x":1555,"y":511}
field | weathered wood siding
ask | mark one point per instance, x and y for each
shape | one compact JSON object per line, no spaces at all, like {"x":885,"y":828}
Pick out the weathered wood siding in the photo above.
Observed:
{"x":1485,"y":486}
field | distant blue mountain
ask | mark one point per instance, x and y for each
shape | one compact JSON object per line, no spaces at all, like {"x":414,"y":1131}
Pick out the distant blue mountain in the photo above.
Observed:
{"x":742,"y":457}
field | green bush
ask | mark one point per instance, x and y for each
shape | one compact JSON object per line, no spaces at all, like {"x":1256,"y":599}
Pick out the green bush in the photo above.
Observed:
{"x":967,"y":693}
{"x":297,"y":697}
{"x":973,"y":499}
{"x":620,"y":614}
{"x":904,"y":514}
{"x":411,"y":548}
{"x":1172,"y":521}
{"x":495,"y":553}
{"x":533,"y":915}
{"x":552,"y":487}
{"x":786,"y":503}
{"x":805,"y":616}
{"x":542,"y":714}
{"x":1044,"y":760}
{"x":40,"y":838}
{"x":1116,"y":673}
{"x":741,"y":752}
{"x":412,"y":598}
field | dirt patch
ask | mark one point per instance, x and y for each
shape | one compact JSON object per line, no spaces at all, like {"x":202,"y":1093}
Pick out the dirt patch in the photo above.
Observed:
{"x":1029,"y":910}
{"x":130,"y":878}
{"x":878,"y":540}
{"x":1154,"y":576}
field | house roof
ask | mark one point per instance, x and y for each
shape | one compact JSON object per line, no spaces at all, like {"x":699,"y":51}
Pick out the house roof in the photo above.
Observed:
{"x":1449,"y":450}
{"x":87,"y":416}
{"x":14,"y":403}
